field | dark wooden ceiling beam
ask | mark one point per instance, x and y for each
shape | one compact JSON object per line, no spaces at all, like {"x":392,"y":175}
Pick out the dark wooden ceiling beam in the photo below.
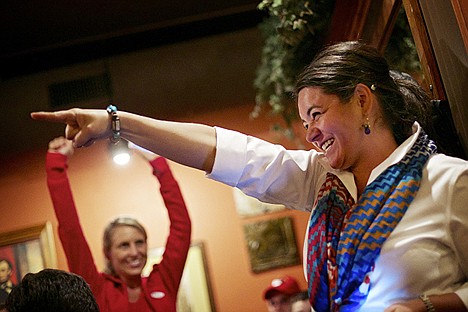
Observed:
{"x":87,"y":50}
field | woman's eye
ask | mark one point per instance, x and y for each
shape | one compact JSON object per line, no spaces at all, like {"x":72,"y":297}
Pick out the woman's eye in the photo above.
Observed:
{"x":123,"y":246}
{"x":315,"y":115}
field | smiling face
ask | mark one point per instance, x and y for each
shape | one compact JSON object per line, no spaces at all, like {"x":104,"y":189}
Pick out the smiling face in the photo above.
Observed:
{"x":128,"y":252}
{"x":332,"y":126}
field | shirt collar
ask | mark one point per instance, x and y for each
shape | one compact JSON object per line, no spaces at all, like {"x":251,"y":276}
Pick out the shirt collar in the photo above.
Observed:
{"x":397,"y":154}
{"x":348,"y":178}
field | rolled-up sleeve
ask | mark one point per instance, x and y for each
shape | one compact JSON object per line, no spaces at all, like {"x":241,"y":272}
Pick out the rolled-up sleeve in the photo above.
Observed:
{"x":267,"y":171}
{"x":230,"y":161}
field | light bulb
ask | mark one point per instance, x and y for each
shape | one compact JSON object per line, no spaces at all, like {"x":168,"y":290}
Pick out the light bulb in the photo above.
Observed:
{"x":122,"y":158}
{"x":120,"y":152}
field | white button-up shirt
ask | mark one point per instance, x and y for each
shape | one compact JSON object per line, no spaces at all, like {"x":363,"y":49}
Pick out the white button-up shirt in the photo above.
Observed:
{"x":428,"y":250}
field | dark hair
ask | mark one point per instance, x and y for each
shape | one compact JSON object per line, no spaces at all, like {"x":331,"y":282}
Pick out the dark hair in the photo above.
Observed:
{"x":338,"y":68}
{"x":7,"y":261}
{"x":417,"y":100}
{"x":51,"y":290}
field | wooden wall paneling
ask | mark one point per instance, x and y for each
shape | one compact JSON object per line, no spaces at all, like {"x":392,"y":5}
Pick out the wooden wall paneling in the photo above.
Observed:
{"x":373,"y":21}
{"x":432,"y":81}
{"x":380,"y":22}
{"x":460,"y":8}
{"x":370,"y":21}
{"x":349,"y":18}
{"x":452,"y":62}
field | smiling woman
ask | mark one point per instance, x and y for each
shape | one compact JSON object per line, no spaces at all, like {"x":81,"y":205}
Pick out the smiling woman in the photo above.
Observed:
{"x":122,"y":286}
{"x":126,"y":250}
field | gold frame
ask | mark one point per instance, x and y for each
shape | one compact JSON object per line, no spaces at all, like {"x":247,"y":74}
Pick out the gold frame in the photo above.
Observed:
{"x":195,"y":292}
{"x":271,"y":244}
{"x":44,"y":255}
{"x":248,"y":206}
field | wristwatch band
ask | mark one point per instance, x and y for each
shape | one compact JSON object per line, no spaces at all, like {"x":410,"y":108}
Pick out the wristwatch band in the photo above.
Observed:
{"x":115,"y":124}
{"x":427,"y":303}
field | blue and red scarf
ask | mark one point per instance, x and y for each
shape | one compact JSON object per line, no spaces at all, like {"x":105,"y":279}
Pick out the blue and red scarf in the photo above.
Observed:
{"x":345,"y":238}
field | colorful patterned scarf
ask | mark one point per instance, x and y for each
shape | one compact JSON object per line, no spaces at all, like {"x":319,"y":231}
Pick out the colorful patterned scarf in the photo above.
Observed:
{"x":345,"y":238}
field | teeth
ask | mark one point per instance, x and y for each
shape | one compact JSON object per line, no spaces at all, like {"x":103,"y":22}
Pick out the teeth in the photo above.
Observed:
{"x":327,"y":144}
{"x":135,"y":262}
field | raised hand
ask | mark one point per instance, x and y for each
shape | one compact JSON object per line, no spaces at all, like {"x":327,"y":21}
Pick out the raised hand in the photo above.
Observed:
{"x":62,"y":146}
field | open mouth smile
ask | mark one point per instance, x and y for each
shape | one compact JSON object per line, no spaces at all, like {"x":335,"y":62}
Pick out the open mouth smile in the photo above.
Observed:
{"x":326,"y":145}
{"x":135,"y":263}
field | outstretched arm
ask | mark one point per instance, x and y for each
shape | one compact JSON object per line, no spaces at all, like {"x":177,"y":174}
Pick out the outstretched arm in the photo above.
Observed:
{"x":190,"y":144}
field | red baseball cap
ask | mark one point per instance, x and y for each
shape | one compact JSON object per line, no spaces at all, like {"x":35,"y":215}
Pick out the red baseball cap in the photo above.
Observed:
{"x":286,"y":285}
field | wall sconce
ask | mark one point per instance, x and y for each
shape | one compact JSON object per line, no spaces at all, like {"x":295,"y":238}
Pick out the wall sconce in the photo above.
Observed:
{"x":119,"y":152}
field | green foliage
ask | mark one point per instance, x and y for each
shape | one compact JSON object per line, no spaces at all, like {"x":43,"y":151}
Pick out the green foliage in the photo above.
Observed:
{"x":294,"y":31}
{"x":401,"y":52}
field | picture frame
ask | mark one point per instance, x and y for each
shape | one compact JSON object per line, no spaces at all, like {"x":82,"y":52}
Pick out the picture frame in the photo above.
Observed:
{"x":248,"y":206}
{"x":28,"y":250}
{"x":271,"y":244}
{"x":195,"y":292}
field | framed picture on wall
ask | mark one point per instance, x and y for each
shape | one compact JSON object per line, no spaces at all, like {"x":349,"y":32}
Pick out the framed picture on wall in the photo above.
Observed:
{"x":23,"y":251}
{"x":271,"y":244}
{"x":195,"y":293}
{"x":248,"y":206}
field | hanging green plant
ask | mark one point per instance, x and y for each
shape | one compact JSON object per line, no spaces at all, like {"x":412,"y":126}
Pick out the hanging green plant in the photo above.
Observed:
{"x":294,"y":31}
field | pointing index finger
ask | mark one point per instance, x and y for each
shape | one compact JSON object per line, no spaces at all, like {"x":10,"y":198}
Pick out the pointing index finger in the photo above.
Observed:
{"x":60,"y":116}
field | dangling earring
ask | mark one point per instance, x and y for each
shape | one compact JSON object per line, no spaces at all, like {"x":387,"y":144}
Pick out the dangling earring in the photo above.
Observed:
{"x":366,"y":127}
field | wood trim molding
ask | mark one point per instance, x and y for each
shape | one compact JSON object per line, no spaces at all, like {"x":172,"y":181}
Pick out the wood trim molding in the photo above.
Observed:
{"x":348,"y":21}
{"x":366,"y":20}
{"x":380,"y":23}
{"x":373,"y":22}
{"x":460,"y":8}
{"x":432,"y":81}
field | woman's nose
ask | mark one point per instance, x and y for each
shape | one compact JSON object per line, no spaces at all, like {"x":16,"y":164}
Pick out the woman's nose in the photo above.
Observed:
{"x":311,"y":133}
{"x":133,"y":250}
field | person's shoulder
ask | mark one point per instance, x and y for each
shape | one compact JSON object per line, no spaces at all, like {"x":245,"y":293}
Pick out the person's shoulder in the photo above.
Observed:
{"x":444,"y":165}
{"x":448,"y":161}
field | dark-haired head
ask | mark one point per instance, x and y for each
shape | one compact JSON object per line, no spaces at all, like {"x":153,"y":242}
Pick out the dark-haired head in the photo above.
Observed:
{"x":7,"y":262}
{"x":51,"y":290}
{"x":339,"y":68}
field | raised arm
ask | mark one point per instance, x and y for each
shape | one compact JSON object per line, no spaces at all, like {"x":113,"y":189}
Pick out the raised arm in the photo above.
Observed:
{"x":178,"y":242}
{"x":190,"y":144}
{"x":79,"y":257}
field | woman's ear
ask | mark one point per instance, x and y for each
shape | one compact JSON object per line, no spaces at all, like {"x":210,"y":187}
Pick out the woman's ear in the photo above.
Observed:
{"x":364,"y":97}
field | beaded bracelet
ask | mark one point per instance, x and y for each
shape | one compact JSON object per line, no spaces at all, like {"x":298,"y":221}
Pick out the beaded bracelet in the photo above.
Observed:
{"x":427,"y":303}
{"x":115,"y":124}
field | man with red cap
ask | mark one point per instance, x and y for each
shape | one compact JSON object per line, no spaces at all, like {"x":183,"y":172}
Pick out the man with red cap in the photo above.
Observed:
{"x":278,"y":294}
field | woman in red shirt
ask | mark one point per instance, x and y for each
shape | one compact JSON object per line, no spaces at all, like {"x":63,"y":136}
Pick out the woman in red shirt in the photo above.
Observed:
{"x":121,"y":287}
